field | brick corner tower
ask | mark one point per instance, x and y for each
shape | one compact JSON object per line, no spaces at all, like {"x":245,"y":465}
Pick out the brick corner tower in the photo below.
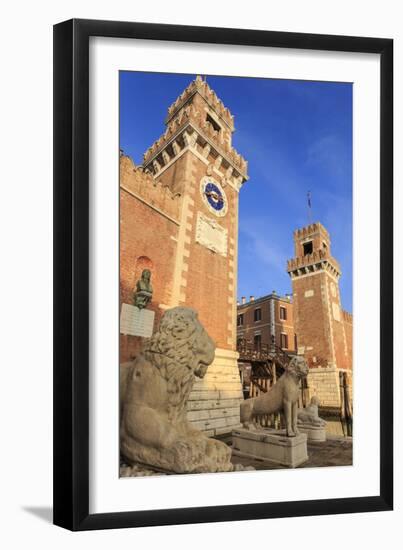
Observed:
{"x":323,"y":329}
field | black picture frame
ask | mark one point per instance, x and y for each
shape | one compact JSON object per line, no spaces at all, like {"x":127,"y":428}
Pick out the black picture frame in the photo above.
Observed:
{"x":71,"y":274}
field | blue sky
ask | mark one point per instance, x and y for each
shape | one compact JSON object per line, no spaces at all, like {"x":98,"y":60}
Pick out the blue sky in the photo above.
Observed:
{"x":296,"y":136}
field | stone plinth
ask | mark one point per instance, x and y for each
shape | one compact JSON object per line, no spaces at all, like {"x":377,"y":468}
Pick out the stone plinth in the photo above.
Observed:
{"x":213,"y":405}
{"x":314,"y":433}
{"x":272,"y":445}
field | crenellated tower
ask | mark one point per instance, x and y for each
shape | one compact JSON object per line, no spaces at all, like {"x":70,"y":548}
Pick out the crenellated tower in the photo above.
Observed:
{"x":183,"y":225}
{"x":323,"y":329}
{"x":198,"y":120}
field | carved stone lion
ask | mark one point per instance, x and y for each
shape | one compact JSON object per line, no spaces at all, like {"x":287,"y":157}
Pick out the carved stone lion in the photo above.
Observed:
{"x":310,"y":415}
{"x":281,"y":397}
{"x":154,"y":429}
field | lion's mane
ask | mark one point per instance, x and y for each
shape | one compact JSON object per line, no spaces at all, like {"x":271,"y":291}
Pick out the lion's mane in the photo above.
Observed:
{"x":171,"y":350}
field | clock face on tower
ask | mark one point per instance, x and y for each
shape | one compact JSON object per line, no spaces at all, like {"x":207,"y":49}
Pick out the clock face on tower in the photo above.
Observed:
{"x":214,"y":196}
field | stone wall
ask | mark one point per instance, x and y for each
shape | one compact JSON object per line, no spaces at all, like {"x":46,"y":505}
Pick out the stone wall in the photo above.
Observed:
{"x":214,"y":403}
{"x":324,"y":383}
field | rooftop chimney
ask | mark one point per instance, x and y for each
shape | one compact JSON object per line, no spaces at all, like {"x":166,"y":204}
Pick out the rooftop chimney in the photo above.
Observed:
{"x":252,"y":298}
{"x":243,"y":299}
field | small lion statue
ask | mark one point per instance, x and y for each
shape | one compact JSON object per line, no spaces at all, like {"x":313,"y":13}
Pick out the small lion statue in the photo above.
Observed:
{"x":281,"y":397}
{"x":154,"y":430}
{"x":310,"y":415}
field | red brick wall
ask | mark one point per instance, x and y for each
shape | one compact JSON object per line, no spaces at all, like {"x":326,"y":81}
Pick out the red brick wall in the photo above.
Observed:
{"x":144,"y":233}
{"x":207,"y":276}
{"x":311,"y":319}
{"x":317,"y":325}
{"x":164,"y":197}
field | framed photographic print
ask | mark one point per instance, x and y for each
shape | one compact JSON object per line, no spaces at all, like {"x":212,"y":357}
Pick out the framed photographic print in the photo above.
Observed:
{"x":223,"y":320}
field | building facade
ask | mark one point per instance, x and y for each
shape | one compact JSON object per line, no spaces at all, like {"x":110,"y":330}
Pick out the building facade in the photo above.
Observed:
{"x":265,"y":320}
{"x":179,"y":219}
{"x":323,"y":328}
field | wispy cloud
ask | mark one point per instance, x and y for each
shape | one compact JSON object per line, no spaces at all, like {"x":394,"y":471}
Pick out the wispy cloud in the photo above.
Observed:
{"x":263,"y":247}
{"x":272,"y":169}
{"x":330,"y":154}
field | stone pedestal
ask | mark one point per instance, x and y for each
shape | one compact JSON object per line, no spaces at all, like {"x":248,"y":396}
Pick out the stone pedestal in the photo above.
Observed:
{"x":272,"y":445}
{"x":213,"y":404}
{"x":314,"y":433}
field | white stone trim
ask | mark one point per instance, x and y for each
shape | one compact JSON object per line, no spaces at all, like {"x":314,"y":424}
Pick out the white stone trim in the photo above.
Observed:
{"x":330,"y":318}
{"x":272,"y":320}
{"x":181,"y":252}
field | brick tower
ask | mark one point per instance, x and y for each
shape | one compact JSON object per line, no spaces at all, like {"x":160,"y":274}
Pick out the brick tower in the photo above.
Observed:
{"x":179,"y":218}
{"x":323,"y":329}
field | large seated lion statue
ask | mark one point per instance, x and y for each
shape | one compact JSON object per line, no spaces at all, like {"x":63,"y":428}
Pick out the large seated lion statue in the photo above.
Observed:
{"x":154,"y":430}
{"x":281,"y":397}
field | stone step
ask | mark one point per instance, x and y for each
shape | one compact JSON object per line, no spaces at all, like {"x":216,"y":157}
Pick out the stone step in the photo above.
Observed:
{"x":215,"y":395}
{"x":214,"y":413}
{"x":216,"y":385}
{"x":212,"y":423}
{"x":212,"y":404}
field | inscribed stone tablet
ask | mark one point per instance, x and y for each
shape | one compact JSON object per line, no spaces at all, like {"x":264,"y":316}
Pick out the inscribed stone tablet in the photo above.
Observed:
{"x":136,"y":322}
{"x":210,"y":234}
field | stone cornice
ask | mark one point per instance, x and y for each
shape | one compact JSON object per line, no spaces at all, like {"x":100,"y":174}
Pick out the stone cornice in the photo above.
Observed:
{"x":187,"y":130}
{"x":323,"y":266}
{"x":311,"y":262}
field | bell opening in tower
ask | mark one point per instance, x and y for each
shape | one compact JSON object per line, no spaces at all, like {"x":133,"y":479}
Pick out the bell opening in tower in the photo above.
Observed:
{"x":213,"y":123}
{"x":308,"y":248}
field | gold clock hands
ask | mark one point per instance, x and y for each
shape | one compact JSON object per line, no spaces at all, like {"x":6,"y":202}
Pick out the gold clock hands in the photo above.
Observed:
{"x":215,"y":196}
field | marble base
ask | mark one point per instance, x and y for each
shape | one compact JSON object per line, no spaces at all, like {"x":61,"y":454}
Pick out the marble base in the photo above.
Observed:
{"x":272,"y":445}
{"x":314,"y":433}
